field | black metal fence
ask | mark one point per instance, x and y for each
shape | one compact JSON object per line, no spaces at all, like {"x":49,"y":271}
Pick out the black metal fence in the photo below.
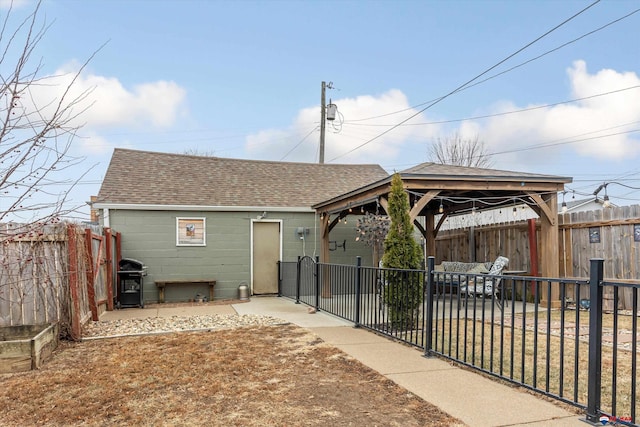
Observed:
{"x":550,"y":335}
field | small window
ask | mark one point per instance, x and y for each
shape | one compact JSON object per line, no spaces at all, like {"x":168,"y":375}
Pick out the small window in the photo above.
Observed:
{"x":191,"y":232}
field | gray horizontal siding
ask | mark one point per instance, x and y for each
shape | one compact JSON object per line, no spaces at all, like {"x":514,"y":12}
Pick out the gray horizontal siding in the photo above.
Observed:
{"x":150,"y":236}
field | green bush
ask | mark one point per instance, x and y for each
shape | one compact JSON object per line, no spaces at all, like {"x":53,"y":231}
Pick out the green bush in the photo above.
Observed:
{"x":404,"y":291}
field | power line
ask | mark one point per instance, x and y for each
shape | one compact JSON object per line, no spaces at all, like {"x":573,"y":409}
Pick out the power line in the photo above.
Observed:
{"x":562,"y":142}
{"x":569,"y":140}
{"x":470,"y":81}
{"x":522,"y":110}
{"x":353,"y":122}
{"x":298,"y":144}
{"x":505,"y":71}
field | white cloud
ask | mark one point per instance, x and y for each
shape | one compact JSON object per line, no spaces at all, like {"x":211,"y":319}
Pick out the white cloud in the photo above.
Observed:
{"x":13,"y":4}
{"x":101,"y":103}
{"x":95,"y":144}
{"x":586,"y":119}
{"x":107,"y":103}
{"x":360,"y":120}
{"x":550,"y":129}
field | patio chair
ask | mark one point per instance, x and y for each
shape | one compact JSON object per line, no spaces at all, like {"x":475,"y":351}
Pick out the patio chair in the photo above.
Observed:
{"x":485,"y":286}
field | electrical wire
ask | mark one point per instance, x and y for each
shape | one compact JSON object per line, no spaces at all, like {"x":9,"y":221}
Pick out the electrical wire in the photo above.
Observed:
{"x":506,"y":71}
{"x":353,"y":122}
{"x":554,"y":144}
{"x":298,"y":144}
{"x":469,"y":81}
{"x":561,"y":141}
{"x":506,"y":113}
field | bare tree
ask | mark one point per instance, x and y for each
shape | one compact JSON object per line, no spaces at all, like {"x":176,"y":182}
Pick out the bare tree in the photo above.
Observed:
{"x":35,"y":133}
{"x":456,"y":150}
{"x":199,"y":153}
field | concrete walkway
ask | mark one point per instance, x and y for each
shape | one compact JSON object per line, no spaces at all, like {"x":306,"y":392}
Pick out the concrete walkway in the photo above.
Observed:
{"x":468,"y":396}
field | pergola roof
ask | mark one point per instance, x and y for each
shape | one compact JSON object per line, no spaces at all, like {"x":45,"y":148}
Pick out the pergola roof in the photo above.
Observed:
{"x":455,"y":188}
{"x":444,"y":189}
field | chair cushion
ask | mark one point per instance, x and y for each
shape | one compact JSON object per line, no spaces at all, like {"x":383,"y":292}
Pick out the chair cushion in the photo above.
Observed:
{"x":478,"y":269}
{"x":499,"y":264}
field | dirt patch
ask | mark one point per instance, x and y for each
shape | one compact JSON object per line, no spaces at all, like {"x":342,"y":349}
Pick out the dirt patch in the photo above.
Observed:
{"x":255,"y":376}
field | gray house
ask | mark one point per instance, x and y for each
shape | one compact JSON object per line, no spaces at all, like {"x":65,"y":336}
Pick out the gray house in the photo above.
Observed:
{"x":193,"y":218}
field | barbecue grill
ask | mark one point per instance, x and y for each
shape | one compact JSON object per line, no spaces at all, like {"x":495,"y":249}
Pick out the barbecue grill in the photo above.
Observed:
{"x":130,"y":283}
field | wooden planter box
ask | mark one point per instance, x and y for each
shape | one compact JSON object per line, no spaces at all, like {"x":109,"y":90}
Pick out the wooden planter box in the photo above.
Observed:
{"x":26,"y":347}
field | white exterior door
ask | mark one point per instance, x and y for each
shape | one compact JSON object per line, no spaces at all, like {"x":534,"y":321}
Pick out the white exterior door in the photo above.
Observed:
{"x":265,"y":255}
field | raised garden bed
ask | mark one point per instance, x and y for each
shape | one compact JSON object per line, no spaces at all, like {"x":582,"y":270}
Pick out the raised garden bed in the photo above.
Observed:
{"x":26,"y":347}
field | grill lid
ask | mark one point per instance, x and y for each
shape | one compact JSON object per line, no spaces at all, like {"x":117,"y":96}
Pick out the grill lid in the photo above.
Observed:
{"x":132,"y":265}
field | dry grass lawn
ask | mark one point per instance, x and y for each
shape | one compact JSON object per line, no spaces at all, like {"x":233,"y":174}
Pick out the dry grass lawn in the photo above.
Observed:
{"x":257,"y":376}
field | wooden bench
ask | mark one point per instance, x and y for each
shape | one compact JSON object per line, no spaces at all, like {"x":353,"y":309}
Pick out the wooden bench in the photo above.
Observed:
{"x":161,"y":284}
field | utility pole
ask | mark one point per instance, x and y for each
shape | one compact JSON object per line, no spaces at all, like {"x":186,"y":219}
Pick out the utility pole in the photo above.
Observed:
{"x":322,"y":121}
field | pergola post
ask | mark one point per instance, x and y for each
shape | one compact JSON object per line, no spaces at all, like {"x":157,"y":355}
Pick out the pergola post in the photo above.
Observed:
{"x":430,"y":230}
{"x":549,"y":240}
{"x":324,"y":238}
{"x":324,"y":253}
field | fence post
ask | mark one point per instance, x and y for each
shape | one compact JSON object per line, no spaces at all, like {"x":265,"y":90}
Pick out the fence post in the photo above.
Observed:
{"x":317,"y":283}
{"x":298,"y":281}
{"x":358,"y":289}
{"x":428,"y":307}
{"x":76,"y":328}
{"x":279,"y":278}
{"x":595,"y":339}
{"x":91,"y":274}
{"x":109,"y":260}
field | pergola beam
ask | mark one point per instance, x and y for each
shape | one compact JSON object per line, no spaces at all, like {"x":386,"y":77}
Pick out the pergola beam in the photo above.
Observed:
{"x":544,"y":208}
{"x":422,"y":203}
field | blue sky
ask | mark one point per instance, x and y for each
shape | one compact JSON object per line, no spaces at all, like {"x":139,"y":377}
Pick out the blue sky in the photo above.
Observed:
{"x":242,"y":79}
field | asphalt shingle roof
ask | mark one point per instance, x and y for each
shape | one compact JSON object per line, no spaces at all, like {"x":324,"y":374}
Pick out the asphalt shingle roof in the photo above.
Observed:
{"x":465,"y":172}
{"x":143,"y":177}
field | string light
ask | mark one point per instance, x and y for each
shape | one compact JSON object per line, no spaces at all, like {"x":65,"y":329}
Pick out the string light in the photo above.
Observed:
{"x":488,"y":202}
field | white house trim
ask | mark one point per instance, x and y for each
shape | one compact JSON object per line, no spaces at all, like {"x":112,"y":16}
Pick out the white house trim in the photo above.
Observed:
{"x":154,"y":207}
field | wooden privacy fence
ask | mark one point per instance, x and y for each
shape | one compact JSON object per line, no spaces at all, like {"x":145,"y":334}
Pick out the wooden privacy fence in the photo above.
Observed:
{"x":61,"y":273}
{"x":612,"y":234}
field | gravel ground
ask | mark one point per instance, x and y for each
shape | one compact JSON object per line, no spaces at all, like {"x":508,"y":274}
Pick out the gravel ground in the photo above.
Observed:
{"x":151,"y":325}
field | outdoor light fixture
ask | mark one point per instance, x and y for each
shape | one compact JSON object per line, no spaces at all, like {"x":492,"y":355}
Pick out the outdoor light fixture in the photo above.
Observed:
{"x":441,"y":208}
{"x":564,"y":204}
{"x":605,"y":200}
{"x":515,"y":211}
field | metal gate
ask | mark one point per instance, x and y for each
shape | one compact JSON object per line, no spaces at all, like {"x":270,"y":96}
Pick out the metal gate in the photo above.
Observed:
{"x":307,"y":288}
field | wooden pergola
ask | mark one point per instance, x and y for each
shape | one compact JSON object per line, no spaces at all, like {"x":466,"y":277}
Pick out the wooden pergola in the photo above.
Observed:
{"x":443,"y":189}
